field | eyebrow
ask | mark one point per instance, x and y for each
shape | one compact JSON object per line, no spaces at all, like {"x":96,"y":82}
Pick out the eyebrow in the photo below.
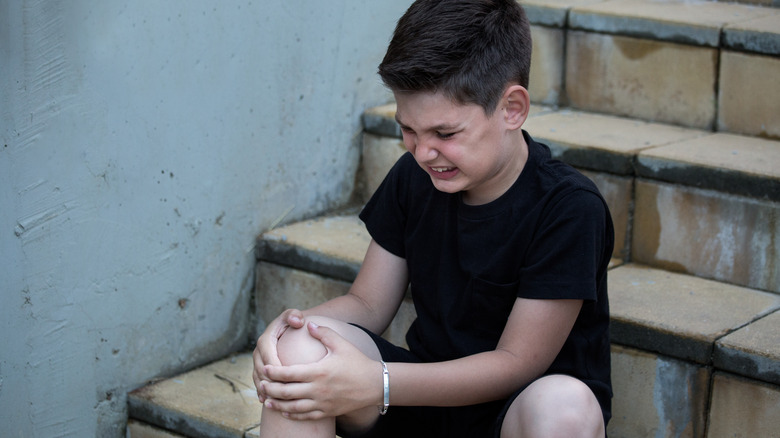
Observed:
{"x":440,"y":127}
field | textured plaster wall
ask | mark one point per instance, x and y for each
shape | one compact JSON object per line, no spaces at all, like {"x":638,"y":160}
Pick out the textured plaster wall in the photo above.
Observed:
{"x":144,"y":146}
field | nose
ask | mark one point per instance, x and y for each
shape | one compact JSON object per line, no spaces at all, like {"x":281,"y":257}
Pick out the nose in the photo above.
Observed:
{"x":424,"y":149}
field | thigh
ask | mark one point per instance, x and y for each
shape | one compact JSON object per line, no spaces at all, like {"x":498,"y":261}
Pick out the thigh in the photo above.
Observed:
{"x":425,"y":421}
{"x":554,"y":405}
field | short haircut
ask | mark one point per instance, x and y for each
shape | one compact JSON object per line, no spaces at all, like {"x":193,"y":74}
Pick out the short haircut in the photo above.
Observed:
{"x":470,"y":50}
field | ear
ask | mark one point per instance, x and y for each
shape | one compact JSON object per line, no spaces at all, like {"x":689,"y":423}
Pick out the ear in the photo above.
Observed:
{"x":516,"y":104}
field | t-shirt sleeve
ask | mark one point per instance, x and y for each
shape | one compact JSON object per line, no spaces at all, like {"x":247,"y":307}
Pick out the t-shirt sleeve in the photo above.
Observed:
{"x":568,"y":248}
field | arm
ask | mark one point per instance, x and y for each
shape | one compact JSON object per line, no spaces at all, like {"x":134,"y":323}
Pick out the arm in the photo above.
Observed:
{"x":533,"y":337}
{"x":375,"y":295}
{"x":534,"y":334}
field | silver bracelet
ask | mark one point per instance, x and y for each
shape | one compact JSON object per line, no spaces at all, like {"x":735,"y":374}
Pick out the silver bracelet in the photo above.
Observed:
{"x":386,"y":383}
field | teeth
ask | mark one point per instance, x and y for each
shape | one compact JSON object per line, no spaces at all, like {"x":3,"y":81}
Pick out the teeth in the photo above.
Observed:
{"x":441,"y":169}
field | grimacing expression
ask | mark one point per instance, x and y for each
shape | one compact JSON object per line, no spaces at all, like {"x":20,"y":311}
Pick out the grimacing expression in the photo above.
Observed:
{"x":459,"y":146}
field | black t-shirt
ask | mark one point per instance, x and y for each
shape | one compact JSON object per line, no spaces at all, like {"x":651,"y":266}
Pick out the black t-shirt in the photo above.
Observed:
{"x":550,"y":236}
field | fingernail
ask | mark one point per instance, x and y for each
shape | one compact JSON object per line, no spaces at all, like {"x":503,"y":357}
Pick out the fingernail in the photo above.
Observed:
{"x":313,"y":325}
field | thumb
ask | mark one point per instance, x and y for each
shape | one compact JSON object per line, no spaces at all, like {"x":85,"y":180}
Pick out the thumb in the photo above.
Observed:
{"x":327,"y":336}
{"x":294,"y":318}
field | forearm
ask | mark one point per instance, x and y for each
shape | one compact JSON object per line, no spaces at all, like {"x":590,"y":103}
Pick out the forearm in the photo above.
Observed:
{"x":534,"y":334}
{"x":344,"y":308}
{"x":475,"y":379}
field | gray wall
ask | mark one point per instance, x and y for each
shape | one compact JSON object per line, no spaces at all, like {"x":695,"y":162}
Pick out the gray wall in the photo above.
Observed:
{"x":144,"y":146}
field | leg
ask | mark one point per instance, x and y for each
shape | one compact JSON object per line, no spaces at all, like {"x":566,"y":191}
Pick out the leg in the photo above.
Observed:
{"x":297,"y":346}
{"x":554,"y":406}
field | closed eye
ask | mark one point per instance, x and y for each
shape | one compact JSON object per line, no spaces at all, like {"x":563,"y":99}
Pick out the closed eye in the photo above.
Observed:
{"x":444,"y":136}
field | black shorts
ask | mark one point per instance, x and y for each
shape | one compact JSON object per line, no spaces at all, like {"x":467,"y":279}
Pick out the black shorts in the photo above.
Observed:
{"x":482,"y":420}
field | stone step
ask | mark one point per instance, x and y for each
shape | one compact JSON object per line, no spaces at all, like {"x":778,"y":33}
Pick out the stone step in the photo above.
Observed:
{"x":685,"y":349}
{"x":699,"y":64}
{"x":683,"y":199}
{"x":674,"y":335}
{"x":217,"y":400}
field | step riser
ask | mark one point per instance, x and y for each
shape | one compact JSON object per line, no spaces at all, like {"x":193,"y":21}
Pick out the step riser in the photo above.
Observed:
{"x":749,"y":94}
{"x":649,"y":80}
{"x":655,"y":393}
{"x":618,"y":192}
{"x":696,"y":86}
{"x":708,"y":234}
{"x":741,"y":407}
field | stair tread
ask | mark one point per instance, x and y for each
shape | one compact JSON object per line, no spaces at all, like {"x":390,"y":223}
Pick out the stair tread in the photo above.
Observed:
{"x":217,"y":400}
{"x":212,"y":401}
{"x":724,"y":162}
{"x":602,"y":142}
{"x":760,"y":35}
{"x":551,"y":12}
{"x":137,"y":429}
{"x":680,"y":315}
{"x":331,"y":245}
{"x":719,"y":161}
{"x":745,"y":27}
{"x":685,"y":22}
{"x":753,"y":350}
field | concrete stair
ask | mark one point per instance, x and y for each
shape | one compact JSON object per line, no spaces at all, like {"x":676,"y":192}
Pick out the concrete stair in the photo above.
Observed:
{"x":673,"y":109}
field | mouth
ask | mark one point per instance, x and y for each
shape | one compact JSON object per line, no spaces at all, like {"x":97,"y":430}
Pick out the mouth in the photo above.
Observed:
{"x":443,"y":173}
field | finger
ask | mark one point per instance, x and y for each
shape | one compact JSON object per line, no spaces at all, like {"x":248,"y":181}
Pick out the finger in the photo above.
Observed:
{"x":327,"y":336}
{"x":291,"y":373}
{"x":265,"y":352}
{"x":308,"y":416}
{"x":258,"y":386}
{"x":257,"y":361}
{"x":257,"y":376}
{"x":294,"y":318}
{"x":286,"y":391}
{"x":260,"y":389}
{"x":295,"y":409}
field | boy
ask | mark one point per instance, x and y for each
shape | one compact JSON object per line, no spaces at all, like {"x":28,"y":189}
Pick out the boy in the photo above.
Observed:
{"x":505,"y":250}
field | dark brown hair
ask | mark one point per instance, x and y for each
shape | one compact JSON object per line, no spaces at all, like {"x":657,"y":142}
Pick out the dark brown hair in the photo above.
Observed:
{"x":470,"y":50}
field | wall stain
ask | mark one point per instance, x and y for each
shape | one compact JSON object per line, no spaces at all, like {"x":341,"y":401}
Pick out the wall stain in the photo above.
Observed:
{"x":635,"y":49}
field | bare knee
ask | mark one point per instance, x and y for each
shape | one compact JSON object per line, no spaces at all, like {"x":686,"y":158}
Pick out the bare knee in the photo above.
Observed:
{"x":555,"y":406}
{"x":297,"y":346}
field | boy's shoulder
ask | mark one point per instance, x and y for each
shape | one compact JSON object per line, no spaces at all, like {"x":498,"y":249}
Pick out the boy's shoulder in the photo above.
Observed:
{"x":552,"y":171}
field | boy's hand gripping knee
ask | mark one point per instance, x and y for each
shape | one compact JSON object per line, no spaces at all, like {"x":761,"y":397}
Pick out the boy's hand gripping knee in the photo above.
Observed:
{"x":343,"y":381}
{"x":265,"y":352}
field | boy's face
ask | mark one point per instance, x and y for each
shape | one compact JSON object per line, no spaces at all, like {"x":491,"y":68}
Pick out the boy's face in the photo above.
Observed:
{"x":460,"y":148}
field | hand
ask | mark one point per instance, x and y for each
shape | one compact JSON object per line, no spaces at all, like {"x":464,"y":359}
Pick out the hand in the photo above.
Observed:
{"x":345,"y":380}
{"x":265,"y":350}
